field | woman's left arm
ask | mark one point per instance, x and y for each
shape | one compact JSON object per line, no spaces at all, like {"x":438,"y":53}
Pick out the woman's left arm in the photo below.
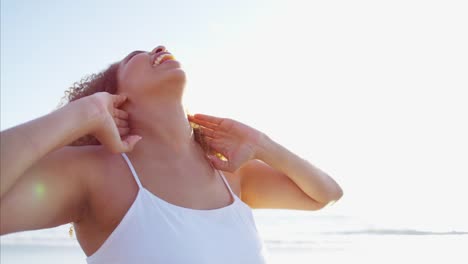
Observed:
{"x":271,"y":176}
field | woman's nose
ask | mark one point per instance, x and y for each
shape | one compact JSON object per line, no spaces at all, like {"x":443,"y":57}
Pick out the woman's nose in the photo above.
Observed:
{"x":159,"y":48}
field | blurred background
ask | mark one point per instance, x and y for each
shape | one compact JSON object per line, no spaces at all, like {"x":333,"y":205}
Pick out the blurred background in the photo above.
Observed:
{"x":372,"y":92}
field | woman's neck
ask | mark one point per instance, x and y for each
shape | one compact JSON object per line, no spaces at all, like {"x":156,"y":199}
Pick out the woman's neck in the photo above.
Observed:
{"x":162,"y":123}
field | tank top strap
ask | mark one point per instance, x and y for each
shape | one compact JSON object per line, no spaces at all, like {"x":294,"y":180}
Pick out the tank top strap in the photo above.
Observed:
{"x":226,"y":182}
{"x":132,"y":169}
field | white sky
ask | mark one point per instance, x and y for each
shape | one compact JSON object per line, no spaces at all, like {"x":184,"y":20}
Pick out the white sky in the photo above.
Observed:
{"x":372,"y":92}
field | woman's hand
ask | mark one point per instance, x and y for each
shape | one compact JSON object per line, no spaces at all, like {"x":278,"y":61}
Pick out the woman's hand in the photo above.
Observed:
{"x":235,"y":141}
{"x":111,"y":127}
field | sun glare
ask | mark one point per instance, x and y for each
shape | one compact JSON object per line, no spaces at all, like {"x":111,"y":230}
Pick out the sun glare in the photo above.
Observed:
{"x":39,"y":190}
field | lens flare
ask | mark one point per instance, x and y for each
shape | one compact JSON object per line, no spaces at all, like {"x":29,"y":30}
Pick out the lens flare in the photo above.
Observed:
{"x":39,"y":190}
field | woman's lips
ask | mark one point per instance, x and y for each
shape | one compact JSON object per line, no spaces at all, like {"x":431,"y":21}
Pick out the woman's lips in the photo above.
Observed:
{"x":160,"y":58}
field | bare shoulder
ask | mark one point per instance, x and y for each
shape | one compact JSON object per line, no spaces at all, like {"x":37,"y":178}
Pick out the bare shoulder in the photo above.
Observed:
{"x":107,"y":178}
{"x":80,"y":160}
{"x":97,"y":166}
{"x":74,"y":155}
{"x":91,"y":164}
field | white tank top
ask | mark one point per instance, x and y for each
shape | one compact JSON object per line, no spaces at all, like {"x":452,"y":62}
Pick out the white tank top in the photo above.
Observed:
{"x":157,"y":232}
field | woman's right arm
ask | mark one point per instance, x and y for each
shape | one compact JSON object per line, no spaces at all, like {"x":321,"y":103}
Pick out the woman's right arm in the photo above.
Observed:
{"x":40,"y":181}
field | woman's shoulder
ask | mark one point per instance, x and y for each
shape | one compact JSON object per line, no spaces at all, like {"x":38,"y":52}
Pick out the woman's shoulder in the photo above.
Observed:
{"x":98,"y":161}
{"x":92,"y":162}
{"x":83,"y":157}
{"x":105,"y":174}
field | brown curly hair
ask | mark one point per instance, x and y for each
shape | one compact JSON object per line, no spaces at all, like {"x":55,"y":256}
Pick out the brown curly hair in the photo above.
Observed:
{"x":106,"y":81}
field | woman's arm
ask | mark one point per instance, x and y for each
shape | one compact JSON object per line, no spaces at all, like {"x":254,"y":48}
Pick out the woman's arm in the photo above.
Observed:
{"x":271,"y":176}
{"x":24,"y":145}
{"x":41,"y":183}
{"x":279,"y":178}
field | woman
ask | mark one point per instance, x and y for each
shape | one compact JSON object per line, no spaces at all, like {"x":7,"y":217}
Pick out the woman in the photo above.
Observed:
{"x":152,"y":190}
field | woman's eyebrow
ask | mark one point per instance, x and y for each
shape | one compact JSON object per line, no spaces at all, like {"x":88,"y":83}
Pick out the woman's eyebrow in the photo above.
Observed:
{"x":129,"y":56}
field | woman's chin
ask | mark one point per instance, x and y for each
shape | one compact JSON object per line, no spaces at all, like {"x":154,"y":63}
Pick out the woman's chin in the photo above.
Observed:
{"x":172,"y":80}
{"x":176,"y":76}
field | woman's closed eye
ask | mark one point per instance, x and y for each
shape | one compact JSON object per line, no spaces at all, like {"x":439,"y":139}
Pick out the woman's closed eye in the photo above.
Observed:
{"x":131,"y":55}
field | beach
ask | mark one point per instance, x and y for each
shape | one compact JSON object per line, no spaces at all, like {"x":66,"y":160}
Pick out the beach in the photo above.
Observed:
{"x":331,"y":250}
{"x":292,"y":237}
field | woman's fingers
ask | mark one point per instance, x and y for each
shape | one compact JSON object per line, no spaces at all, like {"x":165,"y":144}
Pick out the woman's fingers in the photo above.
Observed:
{"x":114,"y":131}
{"x":208,"y":118}
{"x":120,"y":114}
{"x":204,"y":123}
{"x":207,"y":132}
{"x":123,"y":131}
{"x":119,"y":99}
{"x":120,"y":122}
{"x":129,"y":142}
{"x":122,"y":126}
{"x":217,"y":146}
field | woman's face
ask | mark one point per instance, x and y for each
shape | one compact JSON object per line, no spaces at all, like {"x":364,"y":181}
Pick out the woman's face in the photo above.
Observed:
{"x":144,"y":71}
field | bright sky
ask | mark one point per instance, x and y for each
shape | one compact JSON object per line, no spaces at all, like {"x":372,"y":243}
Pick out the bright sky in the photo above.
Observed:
{"x":372,"y":92}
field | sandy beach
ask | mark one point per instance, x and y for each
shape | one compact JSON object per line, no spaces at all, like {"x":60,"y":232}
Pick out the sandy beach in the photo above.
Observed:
{"x":330,"y":249}
{"x":290,"y":237}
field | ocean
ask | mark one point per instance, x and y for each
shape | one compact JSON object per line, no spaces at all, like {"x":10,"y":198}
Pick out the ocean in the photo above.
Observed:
{"x":294,"y":237}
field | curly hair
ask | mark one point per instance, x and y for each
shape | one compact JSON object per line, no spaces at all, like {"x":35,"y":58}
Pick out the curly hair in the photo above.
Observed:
{"x":106,"y":81}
